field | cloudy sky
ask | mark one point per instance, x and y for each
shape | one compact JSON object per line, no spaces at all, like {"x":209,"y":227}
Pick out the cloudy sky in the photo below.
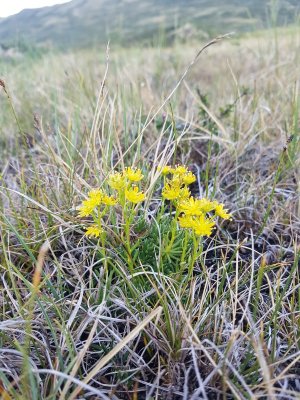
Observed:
{"x":9,"y":7}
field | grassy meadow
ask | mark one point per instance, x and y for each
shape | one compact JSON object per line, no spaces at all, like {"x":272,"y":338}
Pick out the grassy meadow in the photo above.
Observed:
{"x":149,"y":310}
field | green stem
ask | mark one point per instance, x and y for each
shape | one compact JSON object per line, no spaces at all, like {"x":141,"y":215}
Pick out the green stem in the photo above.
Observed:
{"x":128,"y":218}
{"x":196,"y":243}
{"x":173,"y":233}
{"x":184,"y":251}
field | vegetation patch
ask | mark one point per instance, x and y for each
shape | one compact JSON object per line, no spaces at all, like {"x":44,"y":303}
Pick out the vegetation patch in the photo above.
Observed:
{"x":149,"y":223}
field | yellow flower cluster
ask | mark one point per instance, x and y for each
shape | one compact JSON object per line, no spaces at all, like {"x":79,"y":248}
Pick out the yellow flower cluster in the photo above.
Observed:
{"x":199,"y":215}
{"x":177,"y":187}
{"x":196,"y":214}
{"x":98,"y":201}
{"x":93,"y":231}
{"x":95,"y":199}
{"x":133,"y":195}
{"x":125,"y":184}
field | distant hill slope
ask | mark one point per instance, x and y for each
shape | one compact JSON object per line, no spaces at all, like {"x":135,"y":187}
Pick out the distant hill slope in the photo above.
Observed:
{"x":84,"y":22}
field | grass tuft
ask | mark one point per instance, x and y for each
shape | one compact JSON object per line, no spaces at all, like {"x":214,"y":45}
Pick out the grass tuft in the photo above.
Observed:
{"x":146,"y":309}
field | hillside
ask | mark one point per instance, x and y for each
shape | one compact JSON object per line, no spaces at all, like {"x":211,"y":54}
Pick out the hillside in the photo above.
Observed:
{"x":86,"y":22}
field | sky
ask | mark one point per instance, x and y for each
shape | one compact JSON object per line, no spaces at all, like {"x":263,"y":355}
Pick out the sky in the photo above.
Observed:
{"x":9,"y":7}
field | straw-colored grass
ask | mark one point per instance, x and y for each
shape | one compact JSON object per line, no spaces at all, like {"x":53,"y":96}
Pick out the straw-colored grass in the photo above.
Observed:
{"x":71,"y":328}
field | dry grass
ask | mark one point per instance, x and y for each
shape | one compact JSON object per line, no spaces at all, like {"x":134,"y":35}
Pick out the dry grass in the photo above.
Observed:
{"x":71,"y":330}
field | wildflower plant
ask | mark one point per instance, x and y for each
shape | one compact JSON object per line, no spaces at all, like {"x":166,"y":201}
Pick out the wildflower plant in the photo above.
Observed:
{"x":181,"y":222}
{"x":196,"y":216}
{"x":124,"y":192}
{"x":96,"y":206}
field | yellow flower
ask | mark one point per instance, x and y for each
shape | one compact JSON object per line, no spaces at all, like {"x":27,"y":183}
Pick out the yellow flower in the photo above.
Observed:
{"x":190,"y":206}
{"x":175,"y":181}
{"x":88,"y":206}
{"x":96,"y":194}
{"x":184,"y":193}
{"x":207,"y":205}
{"x":109,"y":200}
{"x":180,"y":170}
{"x":117,"y":181}
{"x":188,"y":178}
{"x":93,"y":231}
{"x":221,"y":212}
{"x":165,"y":170}
{"x":203,"y":226}
{"x":133,"y":195}
{"x":186,"y":221}
{"x":171,"y":192}
{"x":133,"y":174}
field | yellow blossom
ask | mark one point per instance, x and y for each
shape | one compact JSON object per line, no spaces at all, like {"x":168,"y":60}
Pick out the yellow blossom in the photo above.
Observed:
{"x":186,"y":221}
{"x":188,"y":178}
{"x":117,"y":181}
{"x":180,"y":170}
{"x":165,"y":170}
{"x":109,"y":200}
{"x":206,"y":205}
{"x":171,"y":192}
{"x":221,"y":212}
{"x":88,"y":206}
{"x":133,"y":195}
{"x":96,"y":194}
{"x":203,"y":226}
{"x":190,"y":206}
{"x":184,"y":193}
{"x":93,"y":231}
{"x":133,"y":174}
{"x":175,"y":181}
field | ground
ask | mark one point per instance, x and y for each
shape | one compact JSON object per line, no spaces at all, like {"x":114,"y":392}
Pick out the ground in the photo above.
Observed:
{"x":78,"y":320}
